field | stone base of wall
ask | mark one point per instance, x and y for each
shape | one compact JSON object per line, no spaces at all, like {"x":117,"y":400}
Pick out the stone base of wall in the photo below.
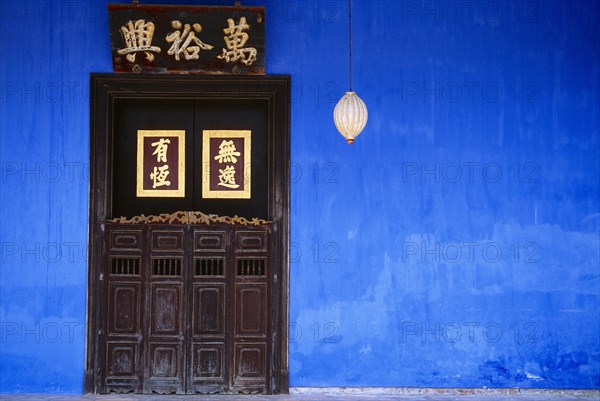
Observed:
{"x":411,"y":391}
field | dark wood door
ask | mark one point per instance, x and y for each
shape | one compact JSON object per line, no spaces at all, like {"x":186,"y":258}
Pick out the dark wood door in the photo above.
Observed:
{"x":183,"y":299}
{"x":229,"y":340}
{"x":210,"y":328}
{"x":188,"y":308}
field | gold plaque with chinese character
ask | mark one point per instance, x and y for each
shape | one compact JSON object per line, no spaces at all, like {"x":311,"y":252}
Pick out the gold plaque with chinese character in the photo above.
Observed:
{"x":183,"y":39}
{"x":160,"y":163}
{"x":226,"y":164}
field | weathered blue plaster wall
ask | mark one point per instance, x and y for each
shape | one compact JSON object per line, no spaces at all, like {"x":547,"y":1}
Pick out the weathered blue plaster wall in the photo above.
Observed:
{"x":456,"y":243}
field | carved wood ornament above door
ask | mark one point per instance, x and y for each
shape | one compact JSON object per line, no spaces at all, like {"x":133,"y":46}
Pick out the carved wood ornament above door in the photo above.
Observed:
{"x":188,"y":282}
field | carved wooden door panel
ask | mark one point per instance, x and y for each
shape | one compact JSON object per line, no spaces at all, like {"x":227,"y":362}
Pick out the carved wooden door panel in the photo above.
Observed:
{"x":165,"y":310}
{"x":124,"y":299}
{"x":229,"y":298}
{"x":209,"y":331}
{"x":250,"y":339}
{"x":188,"y":309}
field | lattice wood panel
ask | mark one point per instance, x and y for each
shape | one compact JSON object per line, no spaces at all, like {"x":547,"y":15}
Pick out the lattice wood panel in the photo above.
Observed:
{"x":187,"y":309}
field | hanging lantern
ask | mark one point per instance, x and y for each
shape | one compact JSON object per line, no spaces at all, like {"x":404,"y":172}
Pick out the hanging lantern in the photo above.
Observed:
{"x":350,"y":116}
{"x":350,"y":113}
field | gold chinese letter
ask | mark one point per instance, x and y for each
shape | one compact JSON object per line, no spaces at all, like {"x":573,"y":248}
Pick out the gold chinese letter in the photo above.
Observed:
{"x":159,"y":176}
{"x":181,"y":41}
{"x":138,"y":38}
{"x":227,"y":152}
{"x":235,"y":40}
{"x":227,"y":177}
{"x":161,"y":149}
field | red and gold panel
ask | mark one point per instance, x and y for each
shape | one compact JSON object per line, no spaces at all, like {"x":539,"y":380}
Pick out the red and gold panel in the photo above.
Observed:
{"x":160,"y":163}
{"x":226,"y":164}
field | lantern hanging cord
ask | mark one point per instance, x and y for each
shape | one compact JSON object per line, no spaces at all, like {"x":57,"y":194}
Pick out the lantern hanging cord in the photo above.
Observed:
{"x":350,"y":38}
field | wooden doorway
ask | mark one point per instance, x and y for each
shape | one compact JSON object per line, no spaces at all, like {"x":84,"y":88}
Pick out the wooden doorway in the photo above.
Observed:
{"x":188,"y":293}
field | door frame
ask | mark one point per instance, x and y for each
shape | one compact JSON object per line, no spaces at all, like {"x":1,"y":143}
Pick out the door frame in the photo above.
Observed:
{"x":105,"y":90}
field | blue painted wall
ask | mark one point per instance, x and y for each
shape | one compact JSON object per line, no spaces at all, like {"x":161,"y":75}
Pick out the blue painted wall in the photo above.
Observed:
{"x":456,"y":243}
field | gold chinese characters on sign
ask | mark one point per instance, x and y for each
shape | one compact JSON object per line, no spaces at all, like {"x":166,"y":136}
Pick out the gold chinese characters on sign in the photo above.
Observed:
{"x":226,"y":164}
{"x":138,"y":37}
{"x":216,"y":40}
{"x":181,"y":42}
{"x":236,"y":39}
{"x":160,"y":163}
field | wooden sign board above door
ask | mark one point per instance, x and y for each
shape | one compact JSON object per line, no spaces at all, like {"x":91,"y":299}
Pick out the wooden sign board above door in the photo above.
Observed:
{"x":187,"y":39}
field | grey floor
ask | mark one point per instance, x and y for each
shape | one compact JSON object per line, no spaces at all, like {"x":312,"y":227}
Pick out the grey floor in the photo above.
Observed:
{"x":564,"y":396}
